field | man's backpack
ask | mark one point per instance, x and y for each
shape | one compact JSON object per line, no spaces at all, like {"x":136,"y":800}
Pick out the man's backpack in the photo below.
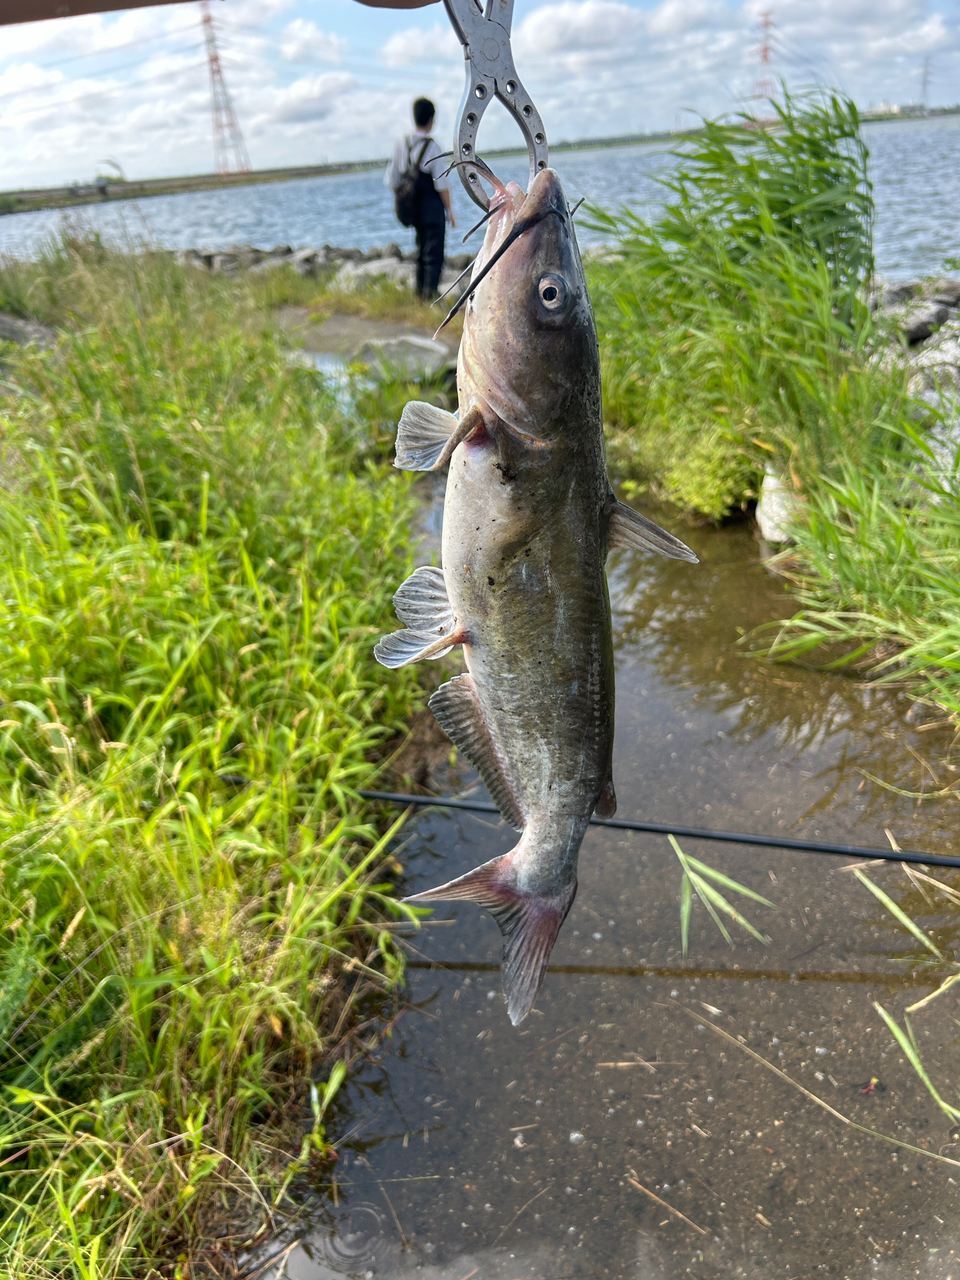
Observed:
{"x":412,"y":187}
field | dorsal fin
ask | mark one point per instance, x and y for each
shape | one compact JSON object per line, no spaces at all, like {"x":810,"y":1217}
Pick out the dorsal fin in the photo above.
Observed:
{"x":456,"y":706}
{"x":628,"y":528}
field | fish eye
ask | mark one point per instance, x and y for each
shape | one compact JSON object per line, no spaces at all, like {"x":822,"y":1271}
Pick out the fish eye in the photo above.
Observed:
{"x":553,"y":291}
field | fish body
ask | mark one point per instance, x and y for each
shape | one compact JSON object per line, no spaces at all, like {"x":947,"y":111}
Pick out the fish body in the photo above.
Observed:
{"x":529,"y":516}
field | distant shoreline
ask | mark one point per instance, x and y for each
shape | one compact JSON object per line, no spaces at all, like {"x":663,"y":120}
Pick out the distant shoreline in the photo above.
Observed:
{"x":32,"y":200}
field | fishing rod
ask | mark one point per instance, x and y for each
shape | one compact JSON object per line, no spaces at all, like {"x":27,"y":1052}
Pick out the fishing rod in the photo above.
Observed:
{"x":694,"y":833}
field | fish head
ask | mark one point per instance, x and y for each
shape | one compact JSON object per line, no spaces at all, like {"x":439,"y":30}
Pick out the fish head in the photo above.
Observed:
{"x":529,"y":348}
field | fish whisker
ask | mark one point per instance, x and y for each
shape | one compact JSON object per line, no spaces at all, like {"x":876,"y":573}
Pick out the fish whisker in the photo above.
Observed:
{"x":482,"y":168}
{"x":577,"y":206}
{"x":446,"y":293}
{"x":477,"y":225}
{"x":519,"y":227}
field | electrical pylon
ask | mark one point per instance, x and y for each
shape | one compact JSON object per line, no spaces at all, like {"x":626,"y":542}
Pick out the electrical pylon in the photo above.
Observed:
{"x":230,"y":153}
{"x":763,"y":86}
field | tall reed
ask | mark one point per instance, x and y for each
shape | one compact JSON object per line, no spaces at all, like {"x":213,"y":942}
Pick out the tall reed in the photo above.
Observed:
{"x":735,"y":330}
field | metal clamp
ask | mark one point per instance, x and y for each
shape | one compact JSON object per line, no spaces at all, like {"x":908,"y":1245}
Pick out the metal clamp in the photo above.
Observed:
{"x":485,"y":36}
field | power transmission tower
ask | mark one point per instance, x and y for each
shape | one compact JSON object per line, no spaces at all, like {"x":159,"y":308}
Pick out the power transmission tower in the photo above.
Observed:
{"x":763,"y":86}
{"x":925,"y":81}
{"x":230,"y":153}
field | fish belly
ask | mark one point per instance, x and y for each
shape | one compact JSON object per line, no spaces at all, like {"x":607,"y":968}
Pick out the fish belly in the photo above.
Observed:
{"x":525,"y":581}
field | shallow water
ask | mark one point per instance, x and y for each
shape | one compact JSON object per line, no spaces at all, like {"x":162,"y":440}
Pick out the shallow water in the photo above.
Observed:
{"x":473,"y":1149}
{"x":915,"y":165}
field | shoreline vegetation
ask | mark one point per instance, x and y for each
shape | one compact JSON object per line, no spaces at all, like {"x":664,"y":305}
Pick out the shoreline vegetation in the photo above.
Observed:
{"x":108,"y":188}
{"x":200,"y":539}
{"x":741,"y":337}
{"x":199,"y":547}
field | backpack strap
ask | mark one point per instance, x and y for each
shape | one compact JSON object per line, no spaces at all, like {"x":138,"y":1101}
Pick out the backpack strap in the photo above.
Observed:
{"x":423,"y":151}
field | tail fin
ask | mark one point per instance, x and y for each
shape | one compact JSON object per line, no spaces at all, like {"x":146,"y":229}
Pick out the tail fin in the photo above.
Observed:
{"x":529,"y":924}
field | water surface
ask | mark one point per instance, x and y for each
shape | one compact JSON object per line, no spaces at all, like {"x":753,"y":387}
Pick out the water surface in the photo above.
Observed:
{"x":915,"y":166}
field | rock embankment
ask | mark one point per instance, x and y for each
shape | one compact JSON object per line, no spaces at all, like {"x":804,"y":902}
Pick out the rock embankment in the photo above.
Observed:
{"x":922,"y":321}
{"x":342,"y":268}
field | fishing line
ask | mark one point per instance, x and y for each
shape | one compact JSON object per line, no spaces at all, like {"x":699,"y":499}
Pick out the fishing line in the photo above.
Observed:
{"x":693,"y":833}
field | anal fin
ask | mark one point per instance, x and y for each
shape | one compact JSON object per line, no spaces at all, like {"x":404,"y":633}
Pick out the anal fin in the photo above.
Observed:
{"x":628,"y":528}
{"x":456,"y":706}
{"x":529,"y":924}
{"x":427,"y":436}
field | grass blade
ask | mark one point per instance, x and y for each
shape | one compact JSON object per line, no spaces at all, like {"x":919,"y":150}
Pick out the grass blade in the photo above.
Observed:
{"x":898,"y":914}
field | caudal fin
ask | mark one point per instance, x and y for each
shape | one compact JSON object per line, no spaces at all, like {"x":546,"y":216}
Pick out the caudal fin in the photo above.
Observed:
{"x":529,"y":924}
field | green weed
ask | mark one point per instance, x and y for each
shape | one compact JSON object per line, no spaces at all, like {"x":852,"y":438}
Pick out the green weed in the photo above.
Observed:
{"x":701,"y":880}
{"x":197,"y":549}
{"x":734,"y":328}
{"x":904,"y":1034}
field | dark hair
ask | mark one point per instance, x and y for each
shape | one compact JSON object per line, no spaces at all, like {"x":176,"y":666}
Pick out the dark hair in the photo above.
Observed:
{"x":423,"y":112}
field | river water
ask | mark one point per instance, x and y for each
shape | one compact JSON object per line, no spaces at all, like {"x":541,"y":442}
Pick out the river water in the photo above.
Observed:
{"x":473,"y":1150}
{"x":915,"y":167}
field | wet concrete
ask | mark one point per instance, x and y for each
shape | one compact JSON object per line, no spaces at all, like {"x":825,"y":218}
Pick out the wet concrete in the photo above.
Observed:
{"x":617,"y":1132}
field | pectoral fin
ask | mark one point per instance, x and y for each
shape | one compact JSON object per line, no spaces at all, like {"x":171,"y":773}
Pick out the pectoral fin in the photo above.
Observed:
{"x":628,"y":528}
{"x":427,"y":436}
{"x":456,"y":706}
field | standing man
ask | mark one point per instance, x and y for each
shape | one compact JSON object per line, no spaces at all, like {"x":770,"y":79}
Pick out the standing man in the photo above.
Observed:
{"x":434,"y":204}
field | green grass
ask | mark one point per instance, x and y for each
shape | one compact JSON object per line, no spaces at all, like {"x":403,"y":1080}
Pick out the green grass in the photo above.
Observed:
{"x":734,"y":328}
{"x":875,"y":569}
{"x":736,"y":338}
{"x":197,"y":549}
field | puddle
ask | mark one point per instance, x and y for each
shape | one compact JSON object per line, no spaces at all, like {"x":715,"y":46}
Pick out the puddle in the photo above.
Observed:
{"x":472,"y":1150}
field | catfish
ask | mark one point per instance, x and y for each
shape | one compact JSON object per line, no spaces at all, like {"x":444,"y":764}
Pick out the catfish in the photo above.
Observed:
{"x":529,"y":516}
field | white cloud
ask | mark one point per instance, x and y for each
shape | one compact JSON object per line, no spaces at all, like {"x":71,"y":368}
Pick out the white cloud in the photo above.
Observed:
{"x":309,"y":99}
{"x":673,"y":16}
{"x":134,"y":85}
{"x":413,"y":46}
{"x":576,"y":25}
{"x":303,"y":41}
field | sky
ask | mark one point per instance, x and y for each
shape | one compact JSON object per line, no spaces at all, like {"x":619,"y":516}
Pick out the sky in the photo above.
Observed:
{"x":314,"y":81}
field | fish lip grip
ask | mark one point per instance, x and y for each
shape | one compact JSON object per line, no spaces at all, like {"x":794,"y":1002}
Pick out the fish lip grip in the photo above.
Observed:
{"x":484,"y":32}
